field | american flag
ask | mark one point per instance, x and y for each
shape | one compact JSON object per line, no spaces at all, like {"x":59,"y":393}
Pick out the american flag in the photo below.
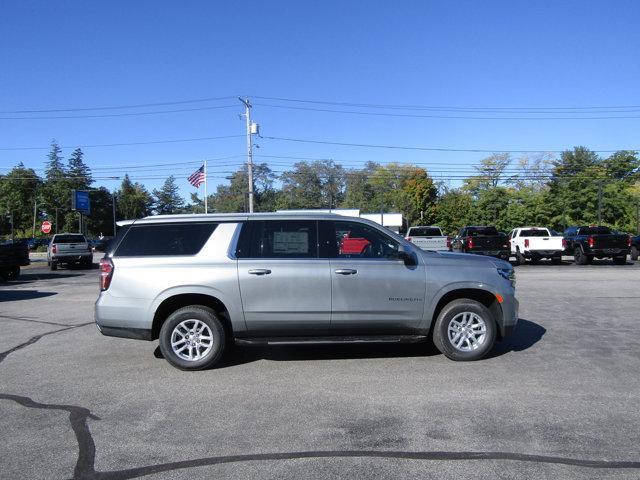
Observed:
{"x":197,"y":178}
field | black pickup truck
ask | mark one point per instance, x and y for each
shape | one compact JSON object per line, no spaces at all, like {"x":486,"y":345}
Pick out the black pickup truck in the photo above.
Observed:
{"x":482,"y":241}
{"x":588,"y":242}
{"x":635,"y":247}
{"x":12,"y":257}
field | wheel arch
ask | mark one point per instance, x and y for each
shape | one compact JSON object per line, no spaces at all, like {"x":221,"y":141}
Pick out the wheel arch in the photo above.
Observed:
{"x":179,"y":300}
{"x":481,"y":295}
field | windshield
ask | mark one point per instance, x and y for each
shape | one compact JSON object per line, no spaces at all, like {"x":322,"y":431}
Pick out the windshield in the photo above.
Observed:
{"x":594,"y":231}
{"x":424,"y":232}
{"x":534,"y":233}
{"x":482,"y":231}
{"x":69,"y":239}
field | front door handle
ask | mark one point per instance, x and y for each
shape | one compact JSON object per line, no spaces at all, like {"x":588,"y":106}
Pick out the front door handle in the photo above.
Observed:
{"x":259,"y":271}
{"x":346,"y":271}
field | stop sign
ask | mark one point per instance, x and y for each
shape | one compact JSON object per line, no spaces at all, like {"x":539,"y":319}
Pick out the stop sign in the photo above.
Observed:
{"x":46,"y":226}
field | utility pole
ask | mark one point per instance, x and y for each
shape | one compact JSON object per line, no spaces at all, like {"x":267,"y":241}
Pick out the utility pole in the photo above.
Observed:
{"x":113,"y":209}
{"x":600,"y":202}
{"x":35,"y":203}
{"x":247,"y":115}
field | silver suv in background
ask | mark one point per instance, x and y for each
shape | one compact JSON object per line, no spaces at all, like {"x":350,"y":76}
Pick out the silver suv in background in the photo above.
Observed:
{"x":68,"y":249}
{"x":198,"y":282}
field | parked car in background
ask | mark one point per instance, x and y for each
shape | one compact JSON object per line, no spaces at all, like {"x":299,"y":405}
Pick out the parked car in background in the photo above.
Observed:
{"x":635,"y":247}
{"x":12,"y":257}
{"x":482,"y":240}
{"x":196,"y":282}
{"x":429,"y":238}
{"x":535,"y":243}
{"x":68,"y":249}
{"x":34,"y":243}
{"x":99,"y":244}
{"x":588,"y":242}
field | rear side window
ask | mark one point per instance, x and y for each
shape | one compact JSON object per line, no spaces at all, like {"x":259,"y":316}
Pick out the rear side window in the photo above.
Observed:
{"x":425,"y":232}
{"x":167,"y":239}
{"x":278,"y":239}
{"x":69,"y":239}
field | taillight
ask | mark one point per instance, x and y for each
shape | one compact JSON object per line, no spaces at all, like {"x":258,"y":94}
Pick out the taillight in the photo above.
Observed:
{"x":592,"y":242}
{"x":629,"y":241}
{"x":106,"y":273}
{"x":564,"y":243}
{"x":470,"y":242}
{"x":526,"y":243}
{"x":54,"y":248}
{"x":448,"y":243}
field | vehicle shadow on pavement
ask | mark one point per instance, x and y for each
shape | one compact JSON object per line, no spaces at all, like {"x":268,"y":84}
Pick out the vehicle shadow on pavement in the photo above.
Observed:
{"x":14,"y":295}
{"x":527,"y":334}
{"x":34,"y":277}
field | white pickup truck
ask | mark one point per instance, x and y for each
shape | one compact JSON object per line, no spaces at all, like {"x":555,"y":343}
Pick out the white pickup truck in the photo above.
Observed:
{"x":534,"y":243}
{"x":428,"y":238}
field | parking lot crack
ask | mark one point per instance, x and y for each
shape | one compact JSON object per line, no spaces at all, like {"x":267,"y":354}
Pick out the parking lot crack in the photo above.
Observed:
{"x":78,"y":416}
{"x":35,"y":338}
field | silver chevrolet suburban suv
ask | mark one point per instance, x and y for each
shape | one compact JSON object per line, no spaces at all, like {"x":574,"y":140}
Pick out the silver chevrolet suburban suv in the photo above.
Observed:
{"x":199,"y":282}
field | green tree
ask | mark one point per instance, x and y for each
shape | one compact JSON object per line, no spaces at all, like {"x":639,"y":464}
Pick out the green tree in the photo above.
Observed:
{"x":56,"y":191}
{"x":18,"y":191}
{"x":167,"y":200}
{"x":132,"y":200}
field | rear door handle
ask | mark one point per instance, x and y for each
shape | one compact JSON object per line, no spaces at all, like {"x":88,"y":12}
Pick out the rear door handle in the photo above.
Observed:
{"x":346,"y":271}
{"x":259,"y":271}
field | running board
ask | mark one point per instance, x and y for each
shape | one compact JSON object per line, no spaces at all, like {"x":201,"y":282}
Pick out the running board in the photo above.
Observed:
{"x":331,"y":340}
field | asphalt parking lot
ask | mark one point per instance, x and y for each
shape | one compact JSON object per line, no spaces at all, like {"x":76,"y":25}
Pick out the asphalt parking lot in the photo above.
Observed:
{"x":557,"y":400}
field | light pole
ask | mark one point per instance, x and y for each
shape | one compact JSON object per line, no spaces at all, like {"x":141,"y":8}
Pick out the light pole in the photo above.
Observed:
{"x":250,"y":126}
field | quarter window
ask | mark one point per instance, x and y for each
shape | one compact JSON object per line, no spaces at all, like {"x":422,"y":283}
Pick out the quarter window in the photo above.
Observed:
{"x":167,"y":239}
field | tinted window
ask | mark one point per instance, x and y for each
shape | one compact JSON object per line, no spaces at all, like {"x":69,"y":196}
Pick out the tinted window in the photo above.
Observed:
{"x":424,"y":232}
{"x":69,"y":239}
{"x":594,"y":230}
{"x":278,"y":239}
{"x":167,"y":239}
{"x":477,"y":231}
{"x":355,"y":240}
{"x":534,"y":233}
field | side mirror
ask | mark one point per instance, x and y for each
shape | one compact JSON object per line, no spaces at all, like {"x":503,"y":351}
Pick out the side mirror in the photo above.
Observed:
{"x":406,"y":256}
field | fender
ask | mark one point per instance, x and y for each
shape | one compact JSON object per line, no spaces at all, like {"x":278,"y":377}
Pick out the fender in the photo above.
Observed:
{"x":234,"y":306}
{"x":432,"y":302}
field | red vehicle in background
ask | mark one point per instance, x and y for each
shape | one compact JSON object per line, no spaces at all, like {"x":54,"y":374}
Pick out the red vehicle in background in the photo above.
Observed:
{"x":352,"y":245}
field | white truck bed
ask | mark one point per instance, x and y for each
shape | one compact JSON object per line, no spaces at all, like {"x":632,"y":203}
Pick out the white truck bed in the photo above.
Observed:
{"x":428,"y":238}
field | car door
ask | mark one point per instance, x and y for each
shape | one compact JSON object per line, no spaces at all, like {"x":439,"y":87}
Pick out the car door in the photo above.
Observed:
{"x":285,"y":287}
{"x":373,"y":291}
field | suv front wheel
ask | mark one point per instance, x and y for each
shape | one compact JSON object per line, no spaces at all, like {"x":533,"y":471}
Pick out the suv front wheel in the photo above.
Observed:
{"x":465,"y":330}
{"x":192,"y":338}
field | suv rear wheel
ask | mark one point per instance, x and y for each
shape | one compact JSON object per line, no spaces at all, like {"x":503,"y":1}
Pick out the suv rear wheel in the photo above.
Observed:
{"x":192,"y":338}
{"x":465,"y":330}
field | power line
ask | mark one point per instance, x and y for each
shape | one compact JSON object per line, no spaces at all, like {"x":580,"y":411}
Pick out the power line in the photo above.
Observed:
{"x":446,"y":108}
{"x":121,"y":107}
{"x":427,"y":149}
{"x":152,"y":142}
{"x":458,"y":117}
{"x":126,"y":114}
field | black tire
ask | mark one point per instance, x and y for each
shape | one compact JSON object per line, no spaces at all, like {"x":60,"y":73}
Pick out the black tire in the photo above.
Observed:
{"x":579,"y":257}
{"x":556,"y":260}
{"x":620,"y":260}
{"x":634,"y":253}
{"x":11,"y":273}
{"x":449,"y":312}
{"x":535,"y":260}
{"x":520,"y":258}
{"x":88,"y":263}
{"x":193,"y":312}
{"x":53,"y":266}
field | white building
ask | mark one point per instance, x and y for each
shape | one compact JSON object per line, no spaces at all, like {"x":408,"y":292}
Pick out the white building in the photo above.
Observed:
{"x":393,"y":221}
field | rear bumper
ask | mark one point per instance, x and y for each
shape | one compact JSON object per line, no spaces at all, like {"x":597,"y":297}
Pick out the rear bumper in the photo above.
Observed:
{"x":542,"y":253}
{"x":71,"y":257}
{"x":504,"y":254}
{"x":607,"y":252}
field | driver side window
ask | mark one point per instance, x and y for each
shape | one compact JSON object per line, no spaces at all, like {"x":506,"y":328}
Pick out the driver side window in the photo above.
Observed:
{"x":355,"y":240}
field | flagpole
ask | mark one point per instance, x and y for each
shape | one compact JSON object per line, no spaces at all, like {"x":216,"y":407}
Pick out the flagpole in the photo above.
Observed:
{"x":205,"y":187}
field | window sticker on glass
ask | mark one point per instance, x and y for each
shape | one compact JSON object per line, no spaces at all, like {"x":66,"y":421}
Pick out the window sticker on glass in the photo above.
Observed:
{"x":290,"y":242}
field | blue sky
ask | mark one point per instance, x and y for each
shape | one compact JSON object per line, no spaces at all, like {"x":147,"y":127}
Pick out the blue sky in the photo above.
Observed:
{"x":467,"y":54}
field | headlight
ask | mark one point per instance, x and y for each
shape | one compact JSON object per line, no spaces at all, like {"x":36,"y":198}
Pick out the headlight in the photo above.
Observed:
{"x":508,"y":274}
